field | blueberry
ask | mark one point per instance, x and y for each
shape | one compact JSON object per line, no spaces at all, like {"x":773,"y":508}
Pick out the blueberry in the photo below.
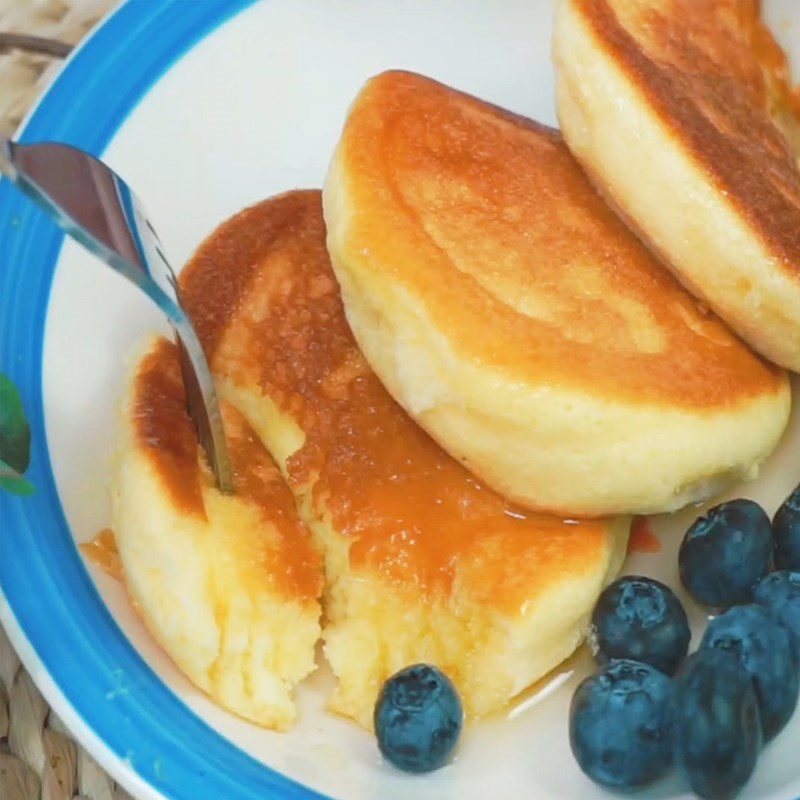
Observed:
{"x":725,"y":553}
{"x":620,"y":724}
{"x":418,"y":718}
{"x":780,"y":592}
{"x":761,"y":644}
{"x":786,"y":526}
{"x":717,"y":727}
{"x":640,"y":619}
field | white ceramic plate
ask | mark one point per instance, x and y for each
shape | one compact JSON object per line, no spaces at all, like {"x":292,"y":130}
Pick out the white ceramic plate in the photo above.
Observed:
{"x":205,"y":111}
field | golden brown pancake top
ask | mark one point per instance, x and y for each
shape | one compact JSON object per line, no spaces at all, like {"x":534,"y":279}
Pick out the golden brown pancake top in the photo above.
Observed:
{"x":268,"y":309}
{"x":165,"y":432}
{"x":719,"y":81}
{"x":163,"y":429}
{"x":487,"y":220}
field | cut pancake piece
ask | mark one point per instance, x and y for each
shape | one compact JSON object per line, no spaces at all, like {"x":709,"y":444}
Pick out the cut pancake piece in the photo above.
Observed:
{"x":424,"y":563}
{"x":516,"y":318}
{"x":228,"y":585}
{"x":683,"y":114}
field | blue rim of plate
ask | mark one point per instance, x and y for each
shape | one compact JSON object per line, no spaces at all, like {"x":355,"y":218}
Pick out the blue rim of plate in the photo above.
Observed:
{"x":42,"y":577}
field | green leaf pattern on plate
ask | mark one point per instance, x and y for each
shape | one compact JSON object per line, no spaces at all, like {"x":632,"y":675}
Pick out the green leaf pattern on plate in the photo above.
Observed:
{"x":15,"y":440}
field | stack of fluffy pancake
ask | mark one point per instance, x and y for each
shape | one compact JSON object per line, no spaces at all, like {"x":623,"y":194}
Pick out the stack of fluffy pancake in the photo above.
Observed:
{"x":444,"y":406}
{"x":422,"y":562}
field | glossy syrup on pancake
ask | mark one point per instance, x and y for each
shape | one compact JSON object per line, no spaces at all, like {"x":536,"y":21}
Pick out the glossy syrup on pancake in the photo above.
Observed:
{"x":102,"y":550}
{"x":267,"y":307}
{"x":166,"y":433}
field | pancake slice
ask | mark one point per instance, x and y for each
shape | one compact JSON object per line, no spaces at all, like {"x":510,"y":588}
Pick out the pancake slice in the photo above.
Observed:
{"x":423,"y":562}
{"x":683,"y":113}
{"x":228,"y":585}
{"x":515,"y":317}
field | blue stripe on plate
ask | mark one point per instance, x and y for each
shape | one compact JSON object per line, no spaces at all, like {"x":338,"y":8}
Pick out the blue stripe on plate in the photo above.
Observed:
{"x":41,"y":574}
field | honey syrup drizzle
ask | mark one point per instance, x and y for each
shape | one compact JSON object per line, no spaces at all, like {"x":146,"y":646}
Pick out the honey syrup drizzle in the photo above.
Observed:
{"x":102,"y":551}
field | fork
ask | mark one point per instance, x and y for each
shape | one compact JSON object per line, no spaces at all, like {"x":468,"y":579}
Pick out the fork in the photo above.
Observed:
{"x":98,"y":209}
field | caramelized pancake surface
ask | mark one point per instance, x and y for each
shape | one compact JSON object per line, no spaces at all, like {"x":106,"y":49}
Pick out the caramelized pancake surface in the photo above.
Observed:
{"x":412,"y":512}
{"x":717,"y":78}
{"x":492,"y":223}
{"x":683,"y":112}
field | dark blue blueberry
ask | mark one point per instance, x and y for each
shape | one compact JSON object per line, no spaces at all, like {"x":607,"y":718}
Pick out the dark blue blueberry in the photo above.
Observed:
{"x":641,"y":619}
{"x":418,"y":718}
{"x":780,"y":592}
{"x":725,"y":553}
{"x":717,"y":727}
{"x":786,"y":527}
{"x":762,"y":646}
{"x":620,"y":724}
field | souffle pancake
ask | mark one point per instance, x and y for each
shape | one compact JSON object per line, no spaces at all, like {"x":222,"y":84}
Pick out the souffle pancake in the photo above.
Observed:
{"x":229,"y":585}
{"x":422,"y":561}
{"x":683,"y":113}
{"x":510,"y":311}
